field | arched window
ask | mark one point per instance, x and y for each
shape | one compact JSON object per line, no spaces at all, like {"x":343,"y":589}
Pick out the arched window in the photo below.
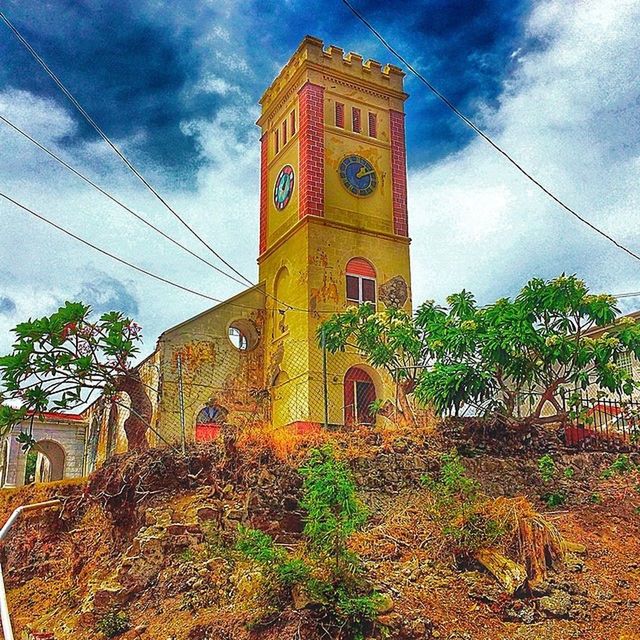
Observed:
{"x":209,"y":421}
{"x":282,"y":294}
{"x":361,"y":281}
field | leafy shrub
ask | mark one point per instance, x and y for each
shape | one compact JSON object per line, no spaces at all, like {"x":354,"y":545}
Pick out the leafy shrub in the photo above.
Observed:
{"x":621,"y":466}
{"x":113,"y":624}
{"x":549,"y":474}
{"x":547,"y":468}
{"x":329,"y":573}
{"x":333,"y":509}
{"x":276,"y":563}
{"x":458,"y":508}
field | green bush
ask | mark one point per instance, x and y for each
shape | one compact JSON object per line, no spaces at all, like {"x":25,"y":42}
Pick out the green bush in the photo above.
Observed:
{"x":330,"y":574}
{"x":547,"y":468}
{"x":113,"y":624}
{"x":333,"y":509}
{"x":457,"y":508}
{"x":549,"y":474}
{"x":621,"y":466}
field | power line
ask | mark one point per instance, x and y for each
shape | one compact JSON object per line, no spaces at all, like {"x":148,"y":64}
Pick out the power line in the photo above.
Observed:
{"x":104,"y":136}
{"x":104,"y":252}
{"x":90,"y":120}
{"x":635,"y":294}
{"x":136,"y":267}
{"x":481,"y":133}
{"x":114,"y":199}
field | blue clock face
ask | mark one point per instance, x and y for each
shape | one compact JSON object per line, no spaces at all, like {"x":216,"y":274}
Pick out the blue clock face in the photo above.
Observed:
{"x":283,"y":187}
{"x":358,"y":175}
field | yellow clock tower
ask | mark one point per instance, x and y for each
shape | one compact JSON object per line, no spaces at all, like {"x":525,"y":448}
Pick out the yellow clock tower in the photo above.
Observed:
{"x":333,"y":224}
{"x":333,"y":233}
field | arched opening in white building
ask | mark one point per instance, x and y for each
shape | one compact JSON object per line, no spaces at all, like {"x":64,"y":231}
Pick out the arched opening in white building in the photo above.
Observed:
{"x":49,"y":462}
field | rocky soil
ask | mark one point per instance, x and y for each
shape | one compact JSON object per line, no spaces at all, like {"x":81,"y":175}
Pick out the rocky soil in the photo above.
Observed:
{"x":150,"y":536}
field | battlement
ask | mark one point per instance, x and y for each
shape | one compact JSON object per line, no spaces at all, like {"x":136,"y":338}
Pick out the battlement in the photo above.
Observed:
{"x":313,"y":55}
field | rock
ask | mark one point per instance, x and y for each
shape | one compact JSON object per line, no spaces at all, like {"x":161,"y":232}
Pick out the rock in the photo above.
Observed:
{"x":384,"y":604}
{"x":555,"y":605}
{"x":207,"y":513}
{"x":176,"y":529}
{"x":542,"y":588}
{"x":519,"y":611}
{"x":107,"y":598}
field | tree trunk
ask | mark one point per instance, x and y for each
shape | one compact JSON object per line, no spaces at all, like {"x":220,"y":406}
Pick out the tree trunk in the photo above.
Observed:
{"x":137,"y":423}
{"x":508,"y":573}
{"x":406,"y":414}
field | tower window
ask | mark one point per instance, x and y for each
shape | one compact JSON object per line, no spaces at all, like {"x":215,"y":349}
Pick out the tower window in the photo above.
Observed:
{"x":277,"y":140}
{"x":284,"y":133}
{"x":373,"y":125}
{"x":360,"y":281}
{"x":292,"y":118}
{"x":356,"y":119}
{"x":339,"y":115}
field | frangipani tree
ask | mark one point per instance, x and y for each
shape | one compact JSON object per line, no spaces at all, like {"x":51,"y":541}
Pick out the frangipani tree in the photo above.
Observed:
{"x":57,"y":362}
{"x":389,"y":339}
{"x":513,"y":357}
{"x":522,"y":353}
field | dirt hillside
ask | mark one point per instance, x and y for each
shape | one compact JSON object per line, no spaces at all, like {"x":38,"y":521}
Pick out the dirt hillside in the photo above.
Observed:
{"x":146,"y":545}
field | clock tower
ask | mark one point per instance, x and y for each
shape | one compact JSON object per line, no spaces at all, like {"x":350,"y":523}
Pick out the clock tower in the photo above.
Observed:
{"x":333,"y":225}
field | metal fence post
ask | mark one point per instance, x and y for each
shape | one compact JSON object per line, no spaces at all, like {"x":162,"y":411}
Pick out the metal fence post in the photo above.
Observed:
{"x":325,"y":382}
{"x":183,"y":429}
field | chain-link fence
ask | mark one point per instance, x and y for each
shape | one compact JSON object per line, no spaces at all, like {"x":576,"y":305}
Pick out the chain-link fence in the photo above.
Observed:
{"x":198,"y":387}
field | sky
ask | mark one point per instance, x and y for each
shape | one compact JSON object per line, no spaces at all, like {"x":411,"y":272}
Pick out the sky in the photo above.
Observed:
{"x":176,"y":86}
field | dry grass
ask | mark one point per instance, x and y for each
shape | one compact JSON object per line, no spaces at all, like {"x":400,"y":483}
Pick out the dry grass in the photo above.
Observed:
{"x":287,"y":444}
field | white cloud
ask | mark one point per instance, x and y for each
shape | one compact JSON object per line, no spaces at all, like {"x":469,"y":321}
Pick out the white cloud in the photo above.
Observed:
{"x":569,"y":114}
{"x":41,"y":267}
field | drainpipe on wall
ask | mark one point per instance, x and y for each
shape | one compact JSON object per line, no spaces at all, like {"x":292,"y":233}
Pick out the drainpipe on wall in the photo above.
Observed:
{"x":7,"y":629}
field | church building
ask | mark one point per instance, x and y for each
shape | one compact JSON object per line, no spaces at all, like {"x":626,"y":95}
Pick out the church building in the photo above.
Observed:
{"x":333,"y":233}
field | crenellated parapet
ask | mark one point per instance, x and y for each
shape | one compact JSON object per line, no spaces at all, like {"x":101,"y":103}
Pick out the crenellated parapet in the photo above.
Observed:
{"x":312,"y":61}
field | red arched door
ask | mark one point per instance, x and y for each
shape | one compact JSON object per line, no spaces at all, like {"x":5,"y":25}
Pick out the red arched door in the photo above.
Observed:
{"x":359,"y":394}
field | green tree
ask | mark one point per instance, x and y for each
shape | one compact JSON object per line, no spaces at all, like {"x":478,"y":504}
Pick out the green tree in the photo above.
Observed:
{"x":333,"y":509}
{"x":58,"y":361}
{"x":522,"y":353}
{"x":389,"y":339}
{"x":512,"y":357}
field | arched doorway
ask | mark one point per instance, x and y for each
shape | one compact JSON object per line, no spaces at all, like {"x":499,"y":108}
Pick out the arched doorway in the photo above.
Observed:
{"x":49,"y":462}
{"x":359,"y":394}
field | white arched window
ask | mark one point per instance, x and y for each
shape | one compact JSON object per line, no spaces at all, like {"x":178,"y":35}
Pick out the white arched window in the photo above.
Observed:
{"x":361,"y":281}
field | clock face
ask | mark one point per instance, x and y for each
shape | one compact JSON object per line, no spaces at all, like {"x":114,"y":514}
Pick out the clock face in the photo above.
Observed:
{"x":358,"y":175}
{"x":284,"y":187}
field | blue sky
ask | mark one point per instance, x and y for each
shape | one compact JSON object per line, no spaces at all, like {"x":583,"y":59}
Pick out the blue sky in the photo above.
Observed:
{"x":176,"y":85}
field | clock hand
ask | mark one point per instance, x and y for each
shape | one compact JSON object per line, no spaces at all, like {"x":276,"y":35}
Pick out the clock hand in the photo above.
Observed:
{"x":360,"y":173}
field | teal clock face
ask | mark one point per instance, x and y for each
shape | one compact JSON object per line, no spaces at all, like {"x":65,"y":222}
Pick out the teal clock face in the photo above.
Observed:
{"x":284,"y":187}
{"x":358,"y":175}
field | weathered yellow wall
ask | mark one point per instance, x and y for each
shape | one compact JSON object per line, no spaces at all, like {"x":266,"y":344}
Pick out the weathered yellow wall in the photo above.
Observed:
{"x":212,"y":368}
{"x":315,"y":250}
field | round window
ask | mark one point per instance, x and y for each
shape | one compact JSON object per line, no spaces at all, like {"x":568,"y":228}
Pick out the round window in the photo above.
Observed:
{"x":243,"y":335}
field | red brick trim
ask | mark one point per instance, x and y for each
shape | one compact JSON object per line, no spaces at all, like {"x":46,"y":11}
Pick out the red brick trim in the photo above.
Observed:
{"x":399,"y":173}
{"x":264,"y":191}
{"x":311,"y":141}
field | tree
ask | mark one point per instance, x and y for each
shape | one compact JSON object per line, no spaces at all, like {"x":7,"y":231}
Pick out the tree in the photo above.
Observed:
{"x":388,"y":339}
{"x":333,"y":509}
{"x":512,"y":357}
{"x":57,"y":362}
{"x":523,"y":353}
